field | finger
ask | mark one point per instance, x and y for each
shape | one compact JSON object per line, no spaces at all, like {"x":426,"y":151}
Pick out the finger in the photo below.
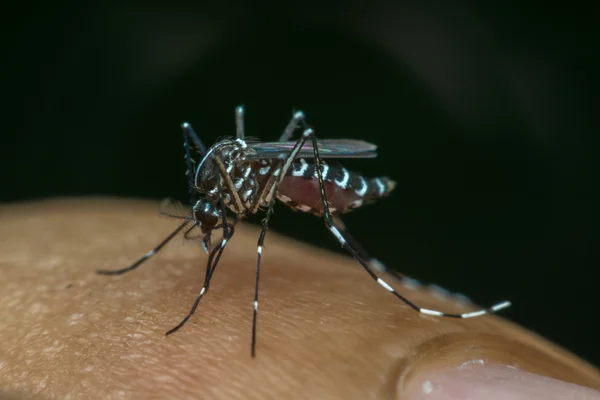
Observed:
{"x":325,"y":329}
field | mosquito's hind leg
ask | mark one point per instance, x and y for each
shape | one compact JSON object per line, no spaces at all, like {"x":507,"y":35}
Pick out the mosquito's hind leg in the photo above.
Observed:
{"x":379,"y":267}
{"x":348,"y":245}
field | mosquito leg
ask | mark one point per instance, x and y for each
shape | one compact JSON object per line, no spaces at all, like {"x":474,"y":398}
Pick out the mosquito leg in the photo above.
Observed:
{"x":259,"y":248}
{"x":146,"y":256}
{"x":190,"y":134}
{"x":291,"y":126}
{"x":212,"y":263}
{"x":239,"y":123}
{"x":347,"y":245}
{"x":374,"y":263}
{"x":229,"y":236}
{"x":279,"y":173}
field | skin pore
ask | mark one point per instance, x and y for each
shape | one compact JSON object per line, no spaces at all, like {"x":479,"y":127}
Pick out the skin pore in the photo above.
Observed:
{"x":325,"y":329}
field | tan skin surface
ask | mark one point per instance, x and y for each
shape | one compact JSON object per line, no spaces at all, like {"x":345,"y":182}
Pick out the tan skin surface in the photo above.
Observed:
{"x":325,"y":329}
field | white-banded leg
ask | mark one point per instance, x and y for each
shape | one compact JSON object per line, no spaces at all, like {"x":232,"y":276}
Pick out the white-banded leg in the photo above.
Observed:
{"x":374,"y":263}
{"x":291,"y":126}
{"x":231,"y":228}
{"x":190,"y":134}
{"x":213,"y":260}
{"x":148,"y":255}
{"x":378,"y":267}
{"x":279,"y":172}
{"x":342,"y":239}
{"x":259,"y":249}
{"x":239,"y":122}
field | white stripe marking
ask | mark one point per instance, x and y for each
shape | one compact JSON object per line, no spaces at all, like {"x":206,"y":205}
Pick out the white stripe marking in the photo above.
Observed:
{"x":501,"y":306}
{"x":431,"y":312}
{"x":385,"y":285}
{"x":241,"y":143}
{"x":364,"y":187}
{"x":264,"y":170}
{"x":202,"y":291}
{"x":256,"y":306}
{"x":474,"y":314}
{"x":344,"y":182}
{"x":260,"y":250}
{"x":302,"y":169}
{"x":380,"y":186}
{"x":149,"y":254}
{"x":356,"y":203}
{"x":338,"y":235}
{"x":324,"y":171}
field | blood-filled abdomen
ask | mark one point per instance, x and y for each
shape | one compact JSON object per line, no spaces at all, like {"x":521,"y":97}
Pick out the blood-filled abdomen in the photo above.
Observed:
{"x":344,"y":190}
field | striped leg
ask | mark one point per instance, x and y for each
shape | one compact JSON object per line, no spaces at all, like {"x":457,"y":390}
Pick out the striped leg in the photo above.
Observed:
{"x":190,"y":134}
{"x":370,"y":270}
{"x":374,"y":263}
{"x":378,"y":266}
{"x":279,"y":173}
{"x":146,"y":256}
{"x":291,"y":126}
{"x":239,"y":122}
{"x":213,"y":260}
{"x":261,"y":240}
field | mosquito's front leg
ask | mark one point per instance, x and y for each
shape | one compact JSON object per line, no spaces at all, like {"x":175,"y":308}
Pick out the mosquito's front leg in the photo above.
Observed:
{"x":213,"y":261}
{"x":146,"y":256}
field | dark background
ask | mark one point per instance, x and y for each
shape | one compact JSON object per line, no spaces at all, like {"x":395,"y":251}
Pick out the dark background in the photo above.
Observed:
{"x":483,"y":117}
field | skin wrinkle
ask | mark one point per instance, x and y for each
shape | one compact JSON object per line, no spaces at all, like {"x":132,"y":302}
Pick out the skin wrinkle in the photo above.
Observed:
{"x":325,"y":329}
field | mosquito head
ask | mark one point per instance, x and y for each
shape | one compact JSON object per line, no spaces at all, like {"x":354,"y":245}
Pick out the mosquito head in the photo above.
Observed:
{"x":206,"y":215}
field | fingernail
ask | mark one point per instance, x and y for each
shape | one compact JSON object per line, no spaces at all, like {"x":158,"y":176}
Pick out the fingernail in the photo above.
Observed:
{"x":478,"y":380}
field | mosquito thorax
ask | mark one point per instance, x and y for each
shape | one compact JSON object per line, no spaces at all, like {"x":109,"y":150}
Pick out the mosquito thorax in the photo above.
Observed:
{"x":207,"y":172}
{"x":205,"y":214}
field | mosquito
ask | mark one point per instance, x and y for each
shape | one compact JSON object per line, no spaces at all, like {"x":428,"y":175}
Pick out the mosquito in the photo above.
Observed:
{"x":245,"y":176}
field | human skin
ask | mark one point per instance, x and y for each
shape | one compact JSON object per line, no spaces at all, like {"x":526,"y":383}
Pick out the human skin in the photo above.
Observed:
{"x":325,"y":329}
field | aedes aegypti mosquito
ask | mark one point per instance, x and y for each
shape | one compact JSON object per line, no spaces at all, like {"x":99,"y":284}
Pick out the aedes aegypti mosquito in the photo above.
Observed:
{"x":246,"y":175}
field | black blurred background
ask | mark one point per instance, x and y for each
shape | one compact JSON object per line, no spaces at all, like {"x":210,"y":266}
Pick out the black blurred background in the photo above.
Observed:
{"x":483,"y":116}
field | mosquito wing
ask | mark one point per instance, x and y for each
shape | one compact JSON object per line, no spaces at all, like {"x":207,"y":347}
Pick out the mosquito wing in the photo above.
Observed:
{"x":328,"y":148}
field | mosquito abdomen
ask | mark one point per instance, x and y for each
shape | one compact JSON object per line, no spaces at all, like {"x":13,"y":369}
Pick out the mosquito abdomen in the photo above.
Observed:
{"x":345,"y":190}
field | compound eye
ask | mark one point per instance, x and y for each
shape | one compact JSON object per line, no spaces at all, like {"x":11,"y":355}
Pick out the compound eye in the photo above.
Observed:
{"x":205,"y":215}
